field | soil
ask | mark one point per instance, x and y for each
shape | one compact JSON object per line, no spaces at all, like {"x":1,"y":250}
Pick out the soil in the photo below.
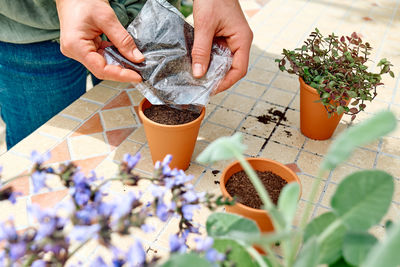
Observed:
{"x":170,"y":116}
{"x":273,"y":115}
{"x":215,"y":172}
{"x":240,"y":186}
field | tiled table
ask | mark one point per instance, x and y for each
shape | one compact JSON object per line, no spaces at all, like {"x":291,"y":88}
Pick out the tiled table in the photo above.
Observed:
{"x":98,"y":129}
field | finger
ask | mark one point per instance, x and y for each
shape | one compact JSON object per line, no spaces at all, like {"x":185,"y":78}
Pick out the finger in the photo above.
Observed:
{"x":203,"y":38}
{"x":97,"y":65}
{"x":122,"y":39}
{"x":238,"y":70}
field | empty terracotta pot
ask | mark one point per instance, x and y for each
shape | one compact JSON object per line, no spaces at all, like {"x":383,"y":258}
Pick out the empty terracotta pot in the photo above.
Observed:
{"x":260,"y":164}
{"x":177,"y":140}
{"x":314,"y":120}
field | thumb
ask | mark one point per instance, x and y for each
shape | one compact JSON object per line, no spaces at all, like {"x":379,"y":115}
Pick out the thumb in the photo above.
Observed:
{"x":122,"y":40}
{"x":203,"y":38}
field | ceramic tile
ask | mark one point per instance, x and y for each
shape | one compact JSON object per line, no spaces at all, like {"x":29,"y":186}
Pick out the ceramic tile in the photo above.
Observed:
{"x":146,"y":162}
{"x":116,"y":137}
{"x":16,"y":211}
{"x":292,"y":118}
{"x":288,"y":136}
{"x":135,"y":96}
{"x":121,"y":100}
{"x":362,"y":158}
{"x":196,"y":171}
{"x":199,"y":147}
{"x":329,"y":192}
{"x":309,"y":163}
{"x":301,"y":206}
{"x":50,"y":199}
{"x":209,"y":110}
{"x":267,"y":64}
{"x":341,"y":172}
{"x":111,"y":84}
{"x":318,"y":146}
{"x":59,"y":153}
{"x":13,"y":165}
{"x":278,"y":96}
{"x":91,"y":126}
{"x":260,"y":76}
{"x":216,"y":99}
{"x":88,"y":146}
{"x":226,"y":117}
{"x":391,"y":145}
{"x":88,"y":164}
{"x":293,"y":167}
{"x":138,"y":135}
{"x":250,"y":89}
{"x":238,"y":103}
{"x":209,"y":132}
{"x":107,"y":169}
{"x":307,"y":183}
{"x":118,"y":118}
{"x":389,"y":164}
{"x":209,"y":183}
{"x":252,"y":126}
{"x":296,"y":103}
{"x":20,"y":185}
{"x":100,"y":94}
{"x":58,"y":126}
{"x":253,"y":143}
{"x":35,"y":141}
{"x":80,"y":109}
{"x":263,"y":108}
{"x":127,"y":146}
{"x":286,"y":82}
{"x":279,"y":153}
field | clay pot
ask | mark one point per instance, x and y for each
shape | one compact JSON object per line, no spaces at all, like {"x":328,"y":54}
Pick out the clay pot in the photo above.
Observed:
{"x":259,"y":164}
{"x":177,"y":140}
{"x":314,"y":120}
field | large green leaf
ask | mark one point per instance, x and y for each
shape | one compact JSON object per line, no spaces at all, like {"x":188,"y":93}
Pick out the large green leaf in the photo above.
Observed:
{"x":356,"y":246}
{"x":387,"y":252}
{"x":330,"y":249}
{"x":363,"y":133}
{"x":222,"y":149}
{"x":308,"y":255}
{"x":222,"y":224}
{"x":287,"y":202}
{"x":184,"y":260}
{"x":340,"y":263}
{"x":362,"y":198}
{"x":237,"y":253}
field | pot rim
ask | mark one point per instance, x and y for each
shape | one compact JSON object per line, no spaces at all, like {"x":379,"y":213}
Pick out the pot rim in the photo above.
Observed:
{"x":225,"y":192}
{"x":185,"y":125}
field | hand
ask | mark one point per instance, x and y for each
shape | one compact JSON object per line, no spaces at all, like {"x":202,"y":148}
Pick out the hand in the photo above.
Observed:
{"x":221,"y":18}
{"x":81,"y":24}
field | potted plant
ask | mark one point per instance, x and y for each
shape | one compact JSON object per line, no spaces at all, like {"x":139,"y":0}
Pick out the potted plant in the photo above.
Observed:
{"x":333,"y":74}
{"x":175,"y":132}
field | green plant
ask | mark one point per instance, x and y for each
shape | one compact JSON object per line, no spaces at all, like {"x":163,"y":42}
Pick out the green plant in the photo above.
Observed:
{"x":336,"y":68}
{"x":336,"y":238}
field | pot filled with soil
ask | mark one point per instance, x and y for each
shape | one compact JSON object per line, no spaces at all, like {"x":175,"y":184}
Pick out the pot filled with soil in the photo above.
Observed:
{"x":170,"y":131}
{"x":235,"y":183}
{"x":315,"y":121}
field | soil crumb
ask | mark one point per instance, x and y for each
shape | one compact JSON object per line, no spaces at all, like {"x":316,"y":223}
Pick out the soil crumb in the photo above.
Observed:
{"x":215,"y":172}
{"x":170,"y":116}
{"x":240,"y":186}
{"x":288,"y":133}
{"x":273,"y":115}
{"x":216,"y":182}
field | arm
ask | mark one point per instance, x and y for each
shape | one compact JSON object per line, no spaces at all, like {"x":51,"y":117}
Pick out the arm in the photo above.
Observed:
{"x":81,"y":24}
{"x":221,"y":18}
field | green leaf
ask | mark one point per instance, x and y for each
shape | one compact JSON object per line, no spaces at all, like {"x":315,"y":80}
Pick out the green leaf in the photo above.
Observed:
{"x":340,"y":263}
{"x":330,"y":248}
{"x":352,"y":94}
{"x":362,"y":198}
{"x":228,"y":225}
{"x":356,"y":246}
{"x":237,"y":253}
{"x":222,"y":149}
{"x":363,"y":133}
{"x":308,"y":255}
{"x":287,"y":202}
{"x":340,"y":110}
{"x":386,"y":253}
{"x":184,"y":260}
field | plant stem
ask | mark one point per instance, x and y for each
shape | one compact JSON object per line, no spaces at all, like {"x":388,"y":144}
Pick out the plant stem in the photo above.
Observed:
{"x":329,"y":230}
{"x":30,"y":260}
{"x":15,"y":178}
{"x":253,"y":252}
{"x":78,"y":248}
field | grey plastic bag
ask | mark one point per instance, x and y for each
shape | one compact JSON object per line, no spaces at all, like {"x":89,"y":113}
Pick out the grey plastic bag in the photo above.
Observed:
{"x":166,"y":40}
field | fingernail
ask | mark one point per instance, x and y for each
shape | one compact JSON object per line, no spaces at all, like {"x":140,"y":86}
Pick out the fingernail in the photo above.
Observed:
{"x":197,"y":70}
{"x":137,"y":54}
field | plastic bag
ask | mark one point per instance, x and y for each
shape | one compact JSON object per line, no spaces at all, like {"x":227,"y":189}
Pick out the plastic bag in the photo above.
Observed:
{"x":166,"y":40}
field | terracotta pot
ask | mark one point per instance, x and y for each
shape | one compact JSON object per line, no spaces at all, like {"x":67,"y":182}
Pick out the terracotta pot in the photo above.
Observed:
{"x":260,"y":164}
{"x":177,"y":140}
{"x":314,"y":120}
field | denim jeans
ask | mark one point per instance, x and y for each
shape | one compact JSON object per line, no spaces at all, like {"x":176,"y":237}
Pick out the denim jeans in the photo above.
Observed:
{"x":36,"y":83}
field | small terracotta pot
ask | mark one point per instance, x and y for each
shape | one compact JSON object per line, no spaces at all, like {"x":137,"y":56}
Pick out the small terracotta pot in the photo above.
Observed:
{"x":177,"y":140}
{"x":314,"y":120}
{"x":259,"y":164}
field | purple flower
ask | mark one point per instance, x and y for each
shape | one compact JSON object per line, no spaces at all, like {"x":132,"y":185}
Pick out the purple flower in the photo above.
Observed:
{"x":124,"y":205}
{"x":213,"y":255}
{"x":98,"y":262}
{"x":39,"y":159}
{"x":17,"y":250}
{"x":177,"y":244}
{"x":3,"y":258}
{"x":7,"y":232}
{"x":157,"y":191}
{"x":49,"y":222}
{"x":136,"y":255}
{"x":177,"y":179}
{"x":163,"y":211}
{"x":147,"y":228}
{"x":38,"y":263}
{"x":131,"y":161}
{"x":188,"y":211}
{"x":203,"y":244}
{"x":9,"y":194}
{"x":38,"y":180}
{"x":84,"y":232}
